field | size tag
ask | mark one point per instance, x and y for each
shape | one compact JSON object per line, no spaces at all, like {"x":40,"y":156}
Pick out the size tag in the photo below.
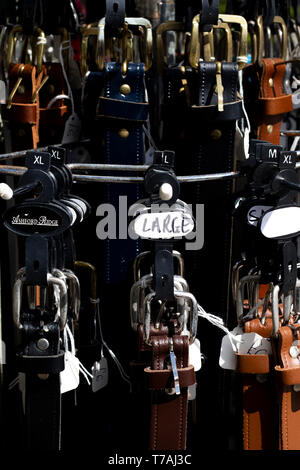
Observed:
{"x":195,"y":355}
{"x":69,"y":377}
{"x":100,"y":374}
{"x":163,"y":225}
{"x":3,"y":97}
{"x":72,"y":130}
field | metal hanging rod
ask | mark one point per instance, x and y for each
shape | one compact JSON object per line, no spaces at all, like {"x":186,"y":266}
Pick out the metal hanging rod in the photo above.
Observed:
{"x":22,"y":153}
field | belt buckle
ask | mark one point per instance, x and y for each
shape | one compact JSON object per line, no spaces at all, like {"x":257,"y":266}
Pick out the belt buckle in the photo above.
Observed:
{"x":39,"y":48}
{"x":260,"y":37}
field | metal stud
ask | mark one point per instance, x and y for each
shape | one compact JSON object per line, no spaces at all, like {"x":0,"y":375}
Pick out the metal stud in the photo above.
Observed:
{"x":216,"y":134}
{"x":43,"y":344}
{"x":125,"y":89}
{"x":269,"y":129}
{"x":123,"y":133}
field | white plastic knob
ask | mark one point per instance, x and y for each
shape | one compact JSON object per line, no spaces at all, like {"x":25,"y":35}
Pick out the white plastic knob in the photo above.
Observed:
{"x":166,"y":192}
{"x":5,"y":191}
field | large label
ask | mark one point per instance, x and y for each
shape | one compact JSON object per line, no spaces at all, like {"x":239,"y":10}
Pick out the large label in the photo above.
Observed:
{"x":163,"y":225}
{"x":27,"y":220}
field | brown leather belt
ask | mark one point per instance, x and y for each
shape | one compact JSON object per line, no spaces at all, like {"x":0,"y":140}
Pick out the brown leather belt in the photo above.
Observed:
{"x":168,"y":428}
{"x":288,"y":375}
{"x":272,"y":102}
{"x":24,"y":113}
{"x":259,"y":422}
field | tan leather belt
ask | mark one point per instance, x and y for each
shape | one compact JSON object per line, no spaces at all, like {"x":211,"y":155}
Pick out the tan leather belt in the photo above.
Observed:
{"x":288,"y":375}
{"x":24,"y":113}
{"x":168,"y":426}
{"x":272,"y":102}
{"x":259,"y":404}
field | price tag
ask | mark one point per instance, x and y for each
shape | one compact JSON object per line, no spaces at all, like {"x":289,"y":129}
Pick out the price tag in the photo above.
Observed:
{"x":69,"y":377}
{"x":244,"y":343}
{"x":195,"y":355}
{"x":72,"y":130}
{"x":100,"y":374}
{"x":163,"y":225}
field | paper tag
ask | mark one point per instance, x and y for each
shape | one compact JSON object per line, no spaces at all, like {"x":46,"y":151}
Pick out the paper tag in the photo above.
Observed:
{"x":100,"y":374}
{"x":195,"y":355}
{"x":245,"y":343}
{"x":69,"y":377}
{"x":3,"y":97}
{"x":255,"y":213}
{"x":72,"y":129}
{"x":227,"y":359}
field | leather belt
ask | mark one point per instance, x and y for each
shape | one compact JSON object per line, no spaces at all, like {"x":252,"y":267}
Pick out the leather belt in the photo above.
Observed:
{"x":24,"y":113}
{"x":168,"y":426}
{"x":259,"y":402}
{"x":124,"y":111}
{"x":272,"y":102}
{"x":42,"y":367}
{"x":288,"y":376}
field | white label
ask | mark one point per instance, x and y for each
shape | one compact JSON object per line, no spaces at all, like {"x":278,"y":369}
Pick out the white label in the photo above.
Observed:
{"x":255,"y":213}
{"x":100,"y":374}
{"x":281,"y":222}
{"x":227,"y":358}
{"x":195,"y":355}
{"x":72,"y":130}
{"x":163,"y":225}
{"x":243,"y":343}
{"x":69,"y":377}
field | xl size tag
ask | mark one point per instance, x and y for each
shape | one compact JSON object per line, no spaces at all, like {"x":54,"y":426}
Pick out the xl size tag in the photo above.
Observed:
{"x":100,"y":374}
{"x":72,"y":130}
{"x":69,"y":377}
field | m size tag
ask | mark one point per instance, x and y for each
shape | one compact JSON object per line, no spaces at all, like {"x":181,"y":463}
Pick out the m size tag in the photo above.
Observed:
{"x":72,"y":130}
{"x":100,"y":374}
{"x":69,"y":377}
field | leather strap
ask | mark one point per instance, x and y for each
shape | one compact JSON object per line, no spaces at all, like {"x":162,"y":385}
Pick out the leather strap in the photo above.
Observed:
{"x":24,"y":113}
{"x":288,"y":375}
{"x":168,"y":426}
{"x":42,"y":414}
{"x":52,"y":119}
{"x":122,"y":111}
{"x":259,"y":404}
{"x":272,"y":102}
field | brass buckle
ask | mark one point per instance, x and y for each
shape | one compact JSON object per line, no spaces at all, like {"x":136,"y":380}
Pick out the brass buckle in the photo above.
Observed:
{"x":90,"y":30}
{"x":195,"y":45}
{"x":146,"y":39}
{"x":260,"y":38}
{"x":161,"y":30}
{"x":38,"y":50}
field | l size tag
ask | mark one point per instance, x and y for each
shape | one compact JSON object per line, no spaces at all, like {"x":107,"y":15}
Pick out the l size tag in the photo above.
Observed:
{"x":195,"y":355}
{"x":72,"y":129}
{"x":69,"y":377}
{"x":100,"y":374}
